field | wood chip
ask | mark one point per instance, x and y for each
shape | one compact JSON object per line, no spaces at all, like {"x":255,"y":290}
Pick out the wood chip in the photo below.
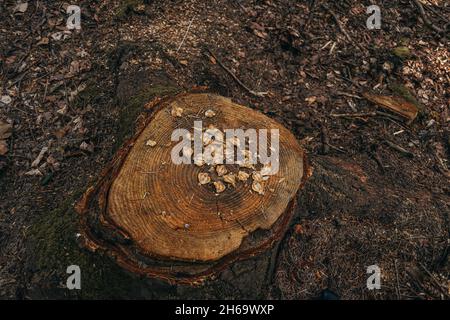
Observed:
{"x":258,"y":187}
{"x":256,"y":175}
{"x":221,"y":170}
{"x":395,"y":104}
{"x":230,"y":178}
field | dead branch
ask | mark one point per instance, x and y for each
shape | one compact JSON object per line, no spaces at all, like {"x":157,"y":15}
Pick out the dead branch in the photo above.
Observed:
{"x":399,"y":149}
{"x":425,"y":17}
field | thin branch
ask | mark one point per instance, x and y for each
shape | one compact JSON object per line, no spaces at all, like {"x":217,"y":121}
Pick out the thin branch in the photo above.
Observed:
{"x":255,"y":93}
{"x":185,"y":34}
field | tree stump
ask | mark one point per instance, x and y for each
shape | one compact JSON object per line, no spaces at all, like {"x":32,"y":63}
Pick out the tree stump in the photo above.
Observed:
{"x":159,"y":219}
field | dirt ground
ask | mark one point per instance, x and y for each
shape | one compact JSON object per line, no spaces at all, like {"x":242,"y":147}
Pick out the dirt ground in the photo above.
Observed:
{"x":65,"y":91}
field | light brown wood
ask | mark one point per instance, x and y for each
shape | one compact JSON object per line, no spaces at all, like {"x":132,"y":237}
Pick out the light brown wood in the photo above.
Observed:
{"x":154,"y":218}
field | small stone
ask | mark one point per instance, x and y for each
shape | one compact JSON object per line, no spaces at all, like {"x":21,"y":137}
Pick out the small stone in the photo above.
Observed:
{"x":21,"y":7}
{"x":246,"y":164}
{"x":150,"y":143}
{"x":256,"y":175}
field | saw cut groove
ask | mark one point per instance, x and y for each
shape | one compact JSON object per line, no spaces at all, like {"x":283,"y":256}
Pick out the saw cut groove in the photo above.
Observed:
{"x":155,"y":218}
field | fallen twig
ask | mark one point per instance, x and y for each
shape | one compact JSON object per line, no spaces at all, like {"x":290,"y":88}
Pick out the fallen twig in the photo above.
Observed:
{"x":339,"y":24}
{"x":341,"y":93}
{"x":255,"y":93}
{"x":425,"y":18}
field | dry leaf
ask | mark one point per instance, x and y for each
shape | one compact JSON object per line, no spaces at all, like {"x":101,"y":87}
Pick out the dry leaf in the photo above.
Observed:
{"x":21,"y":7}
{"x":298,"y":229}
{"x":204,"y":178}
{"x":257,"y":187}
{"x":266,"y":170}
{"x":221,"y":170}
{"x":5,"y":99}
{"x":34,"y":172}
{"x":311,"y":99}
{"x":243,"y":176}
{"x":5,"y":130}
{"x":257,"y":176}
{"x":220,"y":187}
{"x":3,"y":148}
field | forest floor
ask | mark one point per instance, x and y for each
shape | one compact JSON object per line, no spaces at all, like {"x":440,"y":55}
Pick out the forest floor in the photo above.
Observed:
{"x":62,"y":93}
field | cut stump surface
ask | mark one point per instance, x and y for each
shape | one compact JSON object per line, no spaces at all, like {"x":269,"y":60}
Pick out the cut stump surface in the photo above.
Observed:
{"x":161,"y":213}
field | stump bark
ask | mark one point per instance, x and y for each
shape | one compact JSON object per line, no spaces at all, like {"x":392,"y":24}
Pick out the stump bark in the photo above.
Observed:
{"x":154,"y":218}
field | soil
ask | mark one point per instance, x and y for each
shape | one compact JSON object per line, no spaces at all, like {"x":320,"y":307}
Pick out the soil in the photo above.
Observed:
{"x":368,"y":202}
